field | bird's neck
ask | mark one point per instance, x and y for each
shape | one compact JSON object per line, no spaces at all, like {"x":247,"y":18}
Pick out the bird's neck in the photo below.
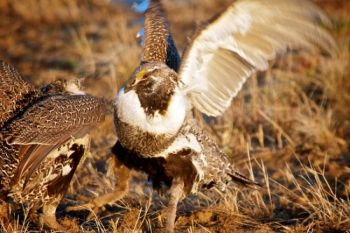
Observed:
{"x":152,"y":116}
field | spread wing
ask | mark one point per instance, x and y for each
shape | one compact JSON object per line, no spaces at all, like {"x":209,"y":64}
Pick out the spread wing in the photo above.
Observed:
{"x":14,"y":92}
{"x":67,"y":154}
{"x":158,"y":42}
{"x":54,"y":119}
{"x":49,"y":124}
{"x":241,"y":41}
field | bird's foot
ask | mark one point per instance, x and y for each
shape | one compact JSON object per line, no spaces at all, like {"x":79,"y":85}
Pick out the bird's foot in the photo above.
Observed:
{"x":51,"y":222}
{"x":87,"y":206}
{"x":121,"y":189}
{"x":99,"y":202}
{"x":93,"y":207}
{"x":48,"y":216}
{"x":4,"y":216}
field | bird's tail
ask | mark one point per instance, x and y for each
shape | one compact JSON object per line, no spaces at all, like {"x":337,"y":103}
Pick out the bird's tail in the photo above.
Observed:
{"x":237,"y":177}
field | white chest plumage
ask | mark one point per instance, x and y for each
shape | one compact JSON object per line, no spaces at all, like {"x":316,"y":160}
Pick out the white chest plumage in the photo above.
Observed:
{"x":130,"y":111}
{"x":188,"y":141}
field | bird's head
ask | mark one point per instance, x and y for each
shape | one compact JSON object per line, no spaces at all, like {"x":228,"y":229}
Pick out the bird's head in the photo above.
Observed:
{"x":60,"y":86}
{"x":155,"y":84}
{"x":152,"y":100}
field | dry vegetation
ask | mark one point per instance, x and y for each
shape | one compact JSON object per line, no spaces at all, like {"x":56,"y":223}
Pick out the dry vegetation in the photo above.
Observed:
{"x":289,"y":128}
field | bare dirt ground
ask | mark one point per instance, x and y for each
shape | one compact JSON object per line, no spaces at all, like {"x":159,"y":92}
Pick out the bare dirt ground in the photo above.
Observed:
{"x":289,"y":128}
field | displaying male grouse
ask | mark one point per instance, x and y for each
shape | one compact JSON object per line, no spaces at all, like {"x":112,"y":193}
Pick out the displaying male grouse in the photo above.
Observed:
{"x":153,"y":112}
{"x":43,"y":136}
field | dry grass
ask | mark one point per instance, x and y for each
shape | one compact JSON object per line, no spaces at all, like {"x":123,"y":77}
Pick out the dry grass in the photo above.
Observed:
{"x":289,"y":128}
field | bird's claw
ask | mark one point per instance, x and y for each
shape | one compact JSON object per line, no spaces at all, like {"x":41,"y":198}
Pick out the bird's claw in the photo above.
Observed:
{"x":92,"y":207}
{"x":87,"y":206}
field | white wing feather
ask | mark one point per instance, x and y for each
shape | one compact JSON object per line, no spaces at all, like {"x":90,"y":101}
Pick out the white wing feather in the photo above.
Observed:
{"x":241,"y":41}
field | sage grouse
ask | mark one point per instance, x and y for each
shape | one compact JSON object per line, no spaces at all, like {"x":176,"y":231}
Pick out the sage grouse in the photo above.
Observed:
{"x":43,"y":138}
{"x":153,"y":112}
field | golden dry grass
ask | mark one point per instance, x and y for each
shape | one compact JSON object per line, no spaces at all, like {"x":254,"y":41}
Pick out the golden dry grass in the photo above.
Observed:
{"x":289,"y":128}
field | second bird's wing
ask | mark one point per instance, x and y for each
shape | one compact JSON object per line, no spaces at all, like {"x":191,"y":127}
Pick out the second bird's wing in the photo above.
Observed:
{"x":49,"y":124}
{"x":54,"y":119}
{"x":15,"y":92}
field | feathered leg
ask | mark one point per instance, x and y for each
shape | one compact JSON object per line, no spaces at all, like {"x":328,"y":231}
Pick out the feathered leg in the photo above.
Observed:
{"x":176,"y":192}
{"x":49,"y":216}
{"x":4,"y":216}
{"x":121,"y":189}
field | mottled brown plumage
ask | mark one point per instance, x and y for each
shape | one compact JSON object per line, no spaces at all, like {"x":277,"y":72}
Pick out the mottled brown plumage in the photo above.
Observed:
{"x":139,"y":140}
{"x":15,"y":92}
{"x":43,"y":138}
{"x":153,"y":114}
{"x":159,"y":43}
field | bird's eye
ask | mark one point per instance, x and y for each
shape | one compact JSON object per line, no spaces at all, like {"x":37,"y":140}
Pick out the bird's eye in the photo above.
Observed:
{"x":146,"y":75}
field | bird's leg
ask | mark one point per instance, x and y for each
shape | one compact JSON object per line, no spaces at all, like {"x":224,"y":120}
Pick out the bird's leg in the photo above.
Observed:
{"x":4,"y":215}
{"x":48,"y":217}
{"x":176,"y":192}
{"x":121,"y":189}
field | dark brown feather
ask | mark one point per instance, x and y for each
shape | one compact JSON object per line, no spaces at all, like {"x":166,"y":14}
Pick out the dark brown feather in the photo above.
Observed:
{"x":159,"y":44}
{"x":8,"y":165}
{"x":33,"y":154}
{"x":160,"y":170}
{"x":61,"y":183}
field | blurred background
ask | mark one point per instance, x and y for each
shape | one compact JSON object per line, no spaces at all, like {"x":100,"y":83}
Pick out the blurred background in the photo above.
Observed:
{"x":289,"y":128}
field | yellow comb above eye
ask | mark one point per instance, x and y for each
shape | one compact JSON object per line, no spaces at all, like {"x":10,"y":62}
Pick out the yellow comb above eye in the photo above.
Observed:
{"x":140,"y":74}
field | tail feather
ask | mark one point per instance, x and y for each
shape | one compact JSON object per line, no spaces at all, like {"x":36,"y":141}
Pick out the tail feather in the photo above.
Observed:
{"x":219,"y":171}
{"x":243,"y":180}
